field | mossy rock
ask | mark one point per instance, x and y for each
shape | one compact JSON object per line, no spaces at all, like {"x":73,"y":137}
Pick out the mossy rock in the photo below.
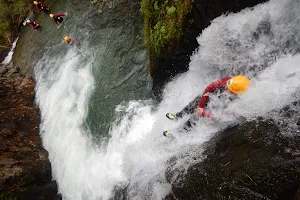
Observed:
{"x":163,"y":22}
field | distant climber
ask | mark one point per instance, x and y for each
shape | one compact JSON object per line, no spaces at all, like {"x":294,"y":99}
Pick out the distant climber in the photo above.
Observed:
{"x":225,"y":89}
{"x":41,"y":6}
{"x":33,"y":24}
{"x":69,"y":40}
{"x":58,"y":18}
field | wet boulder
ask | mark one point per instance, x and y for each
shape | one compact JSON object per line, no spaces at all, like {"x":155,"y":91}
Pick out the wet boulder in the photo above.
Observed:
{"x":251,"y":161}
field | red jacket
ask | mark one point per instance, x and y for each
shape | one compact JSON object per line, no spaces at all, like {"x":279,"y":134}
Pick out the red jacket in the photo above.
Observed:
{"x":210,"y":89}
{"x":40,"y":6}
{"x":33,"y":24}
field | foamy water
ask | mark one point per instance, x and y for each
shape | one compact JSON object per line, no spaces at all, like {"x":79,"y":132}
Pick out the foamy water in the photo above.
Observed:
{"x":259,"y":43}
{"x":8,"y":58}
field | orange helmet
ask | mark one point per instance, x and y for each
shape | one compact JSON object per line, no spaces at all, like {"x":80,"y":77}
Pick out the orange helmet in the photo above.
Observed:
{"x":66,"y":38}
{"x":51,"y":15}
{"x":35,"y":3}
{"x":238,"y":84}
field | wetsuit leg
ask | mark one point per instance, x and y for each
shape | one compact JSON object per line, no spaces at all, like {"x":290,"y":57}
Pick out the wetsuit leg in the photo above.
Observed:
{"x":190,"y":108}
{"x":189,"y":123}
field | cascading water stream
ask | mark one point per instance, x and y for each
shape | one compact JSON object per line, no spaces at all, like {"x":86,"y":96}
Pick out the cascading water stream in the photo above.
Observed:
{"x":262,"y":43}
{"x":8,"y":58}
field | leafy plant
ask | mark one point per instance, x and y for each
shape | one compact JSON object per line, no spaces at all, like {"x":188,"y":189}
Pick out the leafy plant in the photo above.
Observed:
{"x":171,"y":10}
{"x":163,"y":20}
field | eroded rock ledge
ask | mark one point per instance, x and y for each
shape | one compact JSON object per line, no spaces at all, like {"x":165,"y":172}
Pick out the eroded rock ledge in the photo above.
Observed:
{"x":25,"y":171}
{"x":252,"y":161}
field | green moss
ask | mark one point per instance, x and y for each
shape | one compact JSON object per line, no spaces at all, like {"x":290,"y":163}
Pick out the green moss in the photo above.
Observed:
{"x":163,"y":20}
{"x":7,"y":197}
{"x":4,"y":26}
{"x":11,"y":14}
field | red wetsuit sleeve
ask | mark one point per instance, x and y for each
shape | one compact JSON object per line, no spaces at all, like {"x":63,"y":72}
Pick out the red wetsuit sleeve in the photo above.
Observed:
{"x":211,"y":88}
{"x":60,"y":15}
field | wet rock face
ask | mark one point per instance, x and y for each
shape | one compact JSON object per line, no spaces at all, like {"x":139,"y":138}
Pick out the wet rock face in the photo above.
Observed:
{"x":203,"y":12}
{"x":253,"y":161}
{"x":3,"y":54}
{"x":23,"y":161}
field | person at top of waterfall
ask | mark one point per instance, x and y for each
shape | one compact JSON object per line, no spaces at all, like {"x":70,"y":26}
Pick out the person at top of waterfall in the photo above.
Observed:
{"x":41,"y":6}
{"x":227,"y":87}
{"x":33,"y":24}
{"x":58,"y":18}
{"x":69,"y":40}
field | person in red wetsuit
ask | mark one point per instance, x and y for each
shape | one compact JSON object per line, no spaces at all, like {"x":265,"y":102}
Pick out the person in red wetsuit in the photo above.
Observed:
{"x":41,"y":6}
{"x":33,"y":24}
{"x":232,"y":86}
{"x":58,"y":18}
{"x":69,"y":40}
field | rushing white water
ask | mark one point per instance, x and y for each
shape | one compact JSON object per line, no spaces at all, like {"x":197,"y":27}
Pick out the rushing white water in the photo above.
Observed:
{"x":261,"y":43}
{"x":8,"y":58}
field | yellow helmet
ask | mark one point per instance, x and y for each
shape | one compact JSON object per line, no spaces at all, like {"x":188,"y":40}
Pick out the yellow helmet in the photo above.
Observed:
{"x":51,"y":15}
{"x":35,"y":2}
{"x":238,"y":84}
{"x":66,"y":38}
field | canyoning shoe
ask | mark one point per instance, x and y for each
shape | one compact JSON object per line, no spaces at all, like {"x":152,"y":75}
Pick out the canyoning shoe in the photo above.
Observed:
{"x":171,"y":116}
{"x":167,"y":133}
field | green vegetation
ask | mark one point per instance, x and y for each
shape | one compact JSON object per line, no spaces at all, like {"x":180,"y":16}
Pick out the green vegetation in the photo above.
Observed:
{"x":12,"y":12}
{"x":163,"y":22}
{"x":7,"y":197}
{"x":100,"y":4}
{"x":14,"y":195}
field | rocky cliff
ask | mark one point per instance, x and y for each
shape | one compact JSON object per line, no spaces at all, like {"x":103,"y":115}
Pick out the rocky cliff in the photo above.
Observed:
{"x":24,"y":165}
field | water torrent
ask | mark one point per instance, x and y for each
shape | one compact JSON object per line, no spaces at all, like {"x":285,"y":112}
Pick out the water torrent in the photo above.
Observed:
{"x":8,"y":58}
{"x":102,"y":129}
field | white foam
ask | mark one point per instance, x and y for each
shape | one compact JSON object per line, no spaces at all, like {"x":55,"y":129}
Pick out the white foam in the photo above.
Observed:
{"x":8,"y":58}
{"x":275,"y":87}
